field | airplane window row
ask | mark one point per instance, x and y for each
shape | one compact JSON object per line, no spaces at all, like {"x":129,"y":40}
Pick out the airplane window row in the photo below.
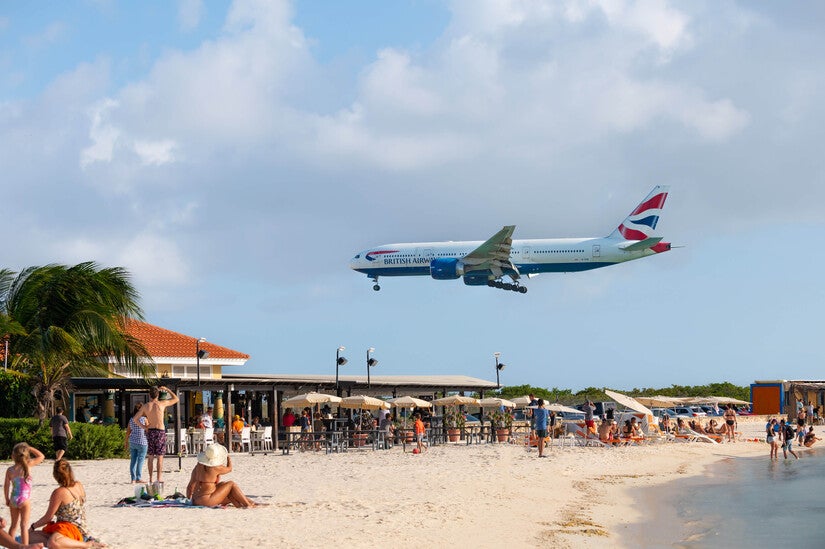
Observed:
{"x":558,"y":251}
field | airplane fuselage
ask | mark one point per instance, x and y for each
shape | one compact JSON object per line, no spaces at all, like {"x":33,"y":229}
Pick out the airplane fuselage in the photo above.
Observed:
{"x":534,"y":256}
{"x":485,"y":263}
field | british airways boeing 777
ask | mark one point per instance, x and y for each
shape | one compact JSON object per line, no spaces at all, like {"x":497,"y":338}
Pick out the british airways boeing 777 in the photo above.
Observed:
{"x":486,"y":263}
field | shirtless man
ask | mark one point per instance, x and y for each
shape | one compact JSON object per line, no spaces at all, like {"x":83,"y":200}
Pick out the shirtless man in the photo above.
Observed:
{"x":205,"y":486}
{"x":156,"y":429}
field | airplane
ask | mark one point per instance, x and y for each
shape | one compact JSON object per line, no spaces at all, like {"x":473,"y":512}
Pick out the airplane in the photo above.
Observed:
{"x":487,"y":263}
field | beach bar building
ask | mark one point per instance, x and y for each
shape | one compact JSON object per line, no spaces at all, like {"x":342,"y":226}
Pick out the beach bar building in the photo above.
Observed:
{"x":194,"y":369}
{"x":783,"y":396}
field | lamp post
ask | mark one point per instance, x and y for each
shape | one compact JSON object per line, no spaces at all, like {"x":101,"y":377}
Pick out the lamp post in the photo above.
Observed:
{"x":199,"y":354}
{"x":339,"y":361}
{"x":370,"y":363}
{"x":499,"y":367}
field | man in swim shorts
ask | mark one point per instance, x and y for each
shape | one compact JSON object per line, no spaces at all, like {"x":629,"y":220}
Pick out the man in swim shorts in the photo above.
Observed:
{"x":61,"y":433}
{"x":156,"y":429}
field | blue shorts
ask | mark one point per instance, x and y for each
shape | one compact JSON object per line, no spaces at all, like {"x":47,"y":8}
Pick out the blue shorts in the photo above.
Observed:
{"x":787,"y":444}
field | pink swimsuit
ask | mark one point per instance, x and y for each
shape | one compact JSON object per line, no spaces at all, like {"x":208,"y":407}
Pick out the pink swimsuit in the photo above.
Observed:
{"x":21,"y":490}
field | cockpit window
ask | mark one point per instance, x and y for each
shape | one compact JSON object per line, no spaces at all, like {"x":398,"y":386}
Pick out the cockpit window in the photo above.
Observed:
{"x":357,"y":256}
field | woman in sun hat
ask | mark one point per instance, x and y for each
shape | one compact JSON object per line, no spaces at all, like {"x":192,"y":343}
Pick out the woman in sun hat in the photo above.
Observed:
{"x":205,"y":486}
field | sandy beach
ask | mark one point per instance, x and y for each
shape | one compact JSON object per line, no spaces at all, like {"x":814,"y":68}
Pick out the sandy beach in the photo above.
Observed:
{"x":481,"y":495}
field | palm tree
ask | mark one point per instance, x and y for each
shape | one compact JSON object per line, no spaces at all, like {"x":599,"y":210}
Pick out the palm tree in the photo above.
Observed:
{"x":73,"y":322}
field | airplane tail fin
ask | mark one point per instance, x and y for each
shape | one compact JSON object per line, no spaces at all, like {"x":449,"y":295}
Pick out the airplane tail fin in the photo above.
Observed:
{"x":641,"y":223}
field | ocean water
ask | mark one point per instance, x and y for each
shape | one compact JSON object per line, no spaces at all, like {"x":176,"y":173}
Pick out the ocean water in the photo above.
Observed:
{"x":741,"y":502}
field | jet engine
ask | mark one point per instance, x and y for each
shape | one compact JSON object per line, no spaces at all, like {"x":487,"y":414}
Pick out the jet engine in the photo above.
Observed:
{"x":446,"y":268}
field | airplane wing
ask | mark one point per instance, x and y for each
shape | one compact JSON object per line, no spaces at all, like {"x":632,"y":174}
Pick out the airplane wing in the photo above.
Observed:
{"x":493,"y":254}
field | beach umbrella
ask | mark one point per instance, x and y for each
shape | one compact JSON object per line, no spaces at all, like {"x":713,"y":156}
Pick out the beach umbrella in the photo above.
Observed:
{"x":409,"y":402}
{"x":363,"y":402}
{"x":628,"y":402}
{"x":309,"y":399}
{"x":455,"y":400}
{"x":722,"y":400}
{"x":496,"y":402}
{"x":556,"y":407}
{"x":521,"y":401}
{"x":661,"y":401}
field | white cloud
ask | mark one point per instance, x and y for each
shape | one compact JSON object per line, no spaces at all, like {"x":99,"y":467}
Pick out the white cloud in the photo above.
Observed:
{"x":102,"y":134}
{"x":153,"y":260}
{"x":189,"y":14}
{"x":155,"y":153}
{"x":51,"y":34}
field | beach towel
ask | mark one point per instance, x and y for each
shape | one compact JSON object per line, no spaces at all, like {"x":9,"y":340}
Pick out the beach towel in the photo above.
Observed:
{"x":170,"y":501}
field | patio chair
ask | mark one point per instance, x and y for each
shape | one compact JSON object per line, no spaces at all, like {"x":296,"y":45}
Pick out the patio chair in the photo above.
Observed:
{"x":208,"y":437}
{"x":266,"y":440}
{"x":184,"y":441}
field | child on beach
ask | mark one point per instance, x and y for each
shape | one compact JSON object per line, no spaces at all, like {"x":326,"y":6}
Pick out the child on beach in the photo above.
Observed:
{"x":18,"y":486}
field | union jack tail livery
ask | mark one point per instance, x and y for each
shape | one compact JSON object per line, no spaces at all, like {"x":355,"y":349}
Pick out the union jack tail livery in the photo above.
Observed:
{"x":640,"y":225}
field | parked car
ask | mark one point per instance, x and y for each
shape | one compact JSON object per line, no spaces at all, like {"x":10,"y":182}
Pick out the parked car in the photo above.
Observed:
{"x":687,"y":412}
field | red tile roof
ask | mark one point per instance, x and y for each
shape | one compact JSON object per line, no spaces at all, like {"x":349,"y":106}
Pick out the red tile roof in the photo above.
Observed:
{"x":161,"y":342}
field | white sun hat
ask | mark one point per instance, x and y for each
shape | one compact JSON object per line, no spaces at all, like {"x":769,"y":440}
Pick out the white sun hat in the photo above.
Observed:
{"x":213,"y":456}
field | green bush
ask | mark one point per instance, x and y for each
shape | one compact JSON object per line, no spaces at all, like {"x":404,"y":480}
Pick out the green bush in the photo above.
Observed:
{"x":89,"y":442}
{"x":17,"y":400}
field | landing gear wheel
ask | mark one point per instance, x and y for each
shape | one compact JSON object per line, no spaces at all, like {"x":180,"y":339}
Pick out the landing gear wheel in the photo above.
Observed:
{"x":522,"y":289}
{"x":376,"y":287}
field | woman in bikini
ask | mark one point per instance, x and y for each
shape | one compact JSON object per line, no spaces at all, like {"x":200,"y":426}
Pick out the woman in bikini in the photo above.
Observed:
{"x":205,"y":486}
{"x":730,"y":423}
{"x":66,"y":507}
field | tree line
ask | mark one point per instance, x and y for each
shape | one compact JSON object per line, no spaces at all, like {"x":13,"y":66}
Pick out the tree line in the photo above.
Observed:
{"x":568,"y":397}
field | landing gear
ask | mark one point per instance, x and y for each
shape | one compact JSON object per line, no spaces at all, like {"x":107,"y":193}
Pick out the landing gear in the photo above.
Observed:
{"x":514,"y":287}
{"x":376,"y":287}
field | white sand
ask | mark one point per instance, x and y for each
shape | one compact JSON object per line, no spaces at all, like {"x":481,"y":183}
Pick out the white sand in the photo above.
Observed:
{"x":481,"y":495}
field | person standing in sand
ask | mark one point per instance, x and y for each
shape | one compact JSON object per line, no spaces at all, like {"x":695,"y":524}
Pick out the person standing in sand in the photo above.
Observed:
{"x":61,"y":433}
{"x":155,"y":427}
{"x":730,"y":423}
{"x":540,"y":419}
{"x":419,"y":429}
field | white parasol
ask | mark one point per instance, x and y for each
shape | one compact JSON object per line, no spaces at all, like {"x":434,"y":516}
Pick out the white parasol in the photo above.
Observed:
{"x":409,"y":402}
{"x":628,"y":402}
{"x":363,"y":402}
{"x":455,"y":400}
{"x":309,"y":399}
{"x":496,"y":402}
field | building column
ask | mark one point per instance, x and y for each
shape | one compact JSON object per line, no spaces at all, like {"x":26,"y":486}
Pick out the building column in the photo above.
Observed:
{"x":109,"y":407}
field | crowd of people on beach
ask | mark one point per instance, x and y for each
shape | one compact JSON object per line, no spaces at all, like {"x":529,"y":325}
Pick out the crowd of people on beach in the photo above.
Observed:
{"x":782,"y":433}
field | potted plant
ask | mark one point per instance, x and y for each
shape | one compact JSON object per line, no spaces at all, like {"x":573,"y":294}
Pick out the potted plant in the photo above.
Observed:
{"x":454,"y":422}
{"x":501,"y":423}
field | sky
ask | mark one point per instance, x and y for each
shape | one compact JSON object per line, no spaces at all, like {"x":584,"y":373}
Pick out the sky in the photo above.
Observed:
{"x":233,"y":157}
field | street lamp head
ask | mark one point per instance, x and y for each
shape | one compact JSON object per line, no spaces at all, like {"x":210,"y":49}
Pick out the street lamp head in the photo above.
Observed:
{"x":341,"y":348}
{"x":371,"y":350}
{"x":201,"y":340}
{"x":496,"y":354}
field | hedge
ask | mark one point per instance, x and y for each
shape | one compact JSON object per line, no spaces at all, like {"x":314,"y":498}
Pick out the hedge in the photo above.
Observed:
{"x":90,"y":441}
